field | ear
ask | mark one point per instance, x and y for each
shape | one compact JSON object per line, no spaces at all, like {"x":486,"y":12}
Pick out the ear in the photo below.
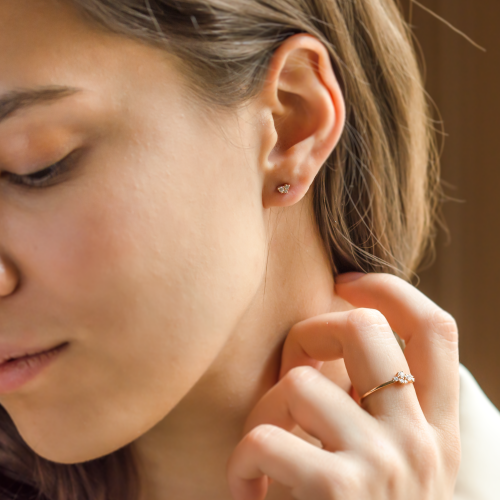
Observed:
{"x":306,"y":113}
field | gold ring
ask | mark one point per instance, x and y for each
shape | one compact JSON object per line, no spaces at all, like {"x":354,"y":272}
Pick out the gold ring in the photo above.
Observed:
{"x":402,"y":378}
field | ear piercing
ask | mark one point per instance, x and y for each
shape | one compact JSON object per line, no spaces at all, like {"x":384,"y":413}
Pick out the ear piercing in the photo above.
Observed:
{"x":284,"y":189}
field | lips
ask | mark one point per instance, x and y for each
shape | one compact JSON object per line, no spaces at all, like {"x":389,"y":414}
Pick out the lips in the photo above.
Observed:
{"x":8,"y":354}
{"x":21,"y":366}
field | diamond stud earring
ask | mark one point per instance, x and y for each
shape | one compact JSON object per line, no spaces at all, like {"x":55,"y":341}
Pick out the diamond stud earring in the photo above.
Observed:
{"x":284,"y":189}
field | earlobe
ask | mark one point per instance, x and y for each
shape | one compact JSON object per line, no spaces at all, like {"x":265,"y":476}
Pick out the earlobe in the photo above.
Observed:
{"x":284,"y":189}
{"x":306,"y":104}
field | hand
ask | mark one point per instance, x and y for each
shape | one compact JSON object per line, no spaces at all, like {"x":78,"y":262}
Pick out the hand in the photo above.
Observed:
{"x":401,"y":443}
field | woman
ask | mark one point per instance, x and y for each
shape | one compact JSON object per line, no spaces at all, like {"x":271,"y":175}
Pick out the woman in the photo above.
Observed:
{"x":181,"y":181}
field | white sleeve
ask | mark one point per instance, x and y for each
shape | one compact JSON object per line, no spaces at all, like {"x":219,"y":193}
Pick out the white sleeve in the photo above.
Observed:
{"x":479,"y":473}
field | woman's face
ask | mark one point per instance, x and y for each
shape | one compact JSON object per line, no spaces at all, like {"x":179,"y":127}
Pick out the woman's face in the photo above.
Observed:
{"x":136,"y":252}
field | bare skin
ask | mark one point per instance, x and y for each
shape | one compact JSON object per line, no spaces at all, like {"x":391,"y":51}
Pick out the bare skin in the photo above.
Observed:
{"x":164,"y":254}
{"x":220,"y":304}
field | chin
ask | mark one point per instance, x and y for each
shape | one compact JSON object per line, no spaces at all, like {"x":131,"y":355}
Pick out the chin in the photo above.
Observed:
{"x":61,"y":448}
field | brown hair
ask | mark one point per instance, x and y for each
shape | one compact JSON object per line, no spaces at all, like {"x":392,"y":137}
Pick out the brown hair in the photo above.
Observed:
{"x":374,"y":198}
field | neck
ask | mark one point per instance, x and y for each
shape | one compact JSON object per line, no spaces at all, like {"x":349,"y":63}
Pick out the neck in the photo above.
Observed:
{"x":184,"y":455}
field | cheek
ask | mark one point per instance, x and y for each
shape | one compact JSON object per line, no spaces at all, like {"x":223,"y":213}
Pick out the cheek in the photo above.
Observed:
{"x":146,"y":280}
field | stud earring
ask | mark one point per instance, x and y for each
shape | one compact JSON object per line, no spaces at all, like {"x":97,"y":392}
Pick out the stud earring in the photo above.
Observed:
{"x":284,"y":189}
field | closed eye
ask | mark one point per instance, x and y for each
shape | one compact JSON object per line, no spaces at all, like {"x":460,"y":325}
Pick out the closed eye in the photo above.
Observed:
{"x":40,"y":178}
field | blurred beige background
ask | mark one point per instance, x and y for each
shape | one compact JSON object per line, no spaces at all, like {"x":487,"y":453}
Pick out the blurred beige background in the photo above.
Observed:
{"x":465,"y":85}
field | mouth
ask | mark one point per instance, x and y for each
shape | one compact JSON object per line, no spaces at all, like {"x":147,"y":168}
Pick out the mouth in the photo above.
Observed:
{"x":16,"y":371}
{"x":31,"y":354}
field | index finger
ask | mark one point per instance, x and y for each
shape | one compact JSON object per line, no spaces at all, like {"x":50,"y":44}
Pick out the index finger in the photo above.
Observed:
{"x":430,"y":335}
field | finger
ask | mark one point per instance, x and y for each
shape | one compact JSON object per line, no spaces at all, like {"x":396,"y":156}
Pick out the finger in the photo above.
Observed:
{"x":307,"y":398}
{"x":430,"y":335}
{"x":371,"y":355}
{"x":283,"y":457}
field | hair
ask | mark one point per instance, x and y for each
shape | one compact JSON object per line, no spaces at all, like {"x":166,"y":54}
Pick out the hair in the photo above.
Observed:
{"x":375,"y":198}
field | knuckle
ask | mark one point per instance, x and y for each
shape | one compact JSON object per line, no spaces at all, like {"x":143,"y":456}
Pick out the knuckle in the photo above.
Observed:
{"x":429,"y":466}
{"x":325,"y":487}
{"x":424,"y":455}
{"x":383,"y":458}
{"x":299,"y":376}
{"x":386,"y":281}
{"x":363,"y":318}
{"x":390,"y":279}
{"x":365,"y":324}
{"x":259,"y":438}
{"x":444,"y":324}
{"x":436,"y":465}
{"x":388,"y":460}
{"x":350,"y":484}
{"x":321,"y":484}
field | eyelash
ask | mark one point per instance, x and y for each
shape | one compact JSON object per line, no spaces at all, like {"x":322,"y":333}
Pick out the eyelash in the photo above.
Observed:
{"x":41,"y":178}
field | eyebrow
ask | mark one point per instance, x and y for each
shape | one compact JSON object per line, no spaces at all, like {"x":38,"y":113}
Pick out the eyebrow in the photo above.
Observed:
{"x":15,"y":100}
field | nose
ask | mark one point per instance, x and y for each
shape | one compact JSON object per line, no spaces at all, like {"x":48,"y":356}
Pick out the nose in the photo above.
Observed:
{"x":8,"y":277}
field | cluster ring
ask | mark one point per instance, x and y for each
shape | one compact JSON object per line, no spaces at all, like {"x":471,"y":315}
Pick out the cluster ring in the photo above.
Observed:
{"x":400,"y":377}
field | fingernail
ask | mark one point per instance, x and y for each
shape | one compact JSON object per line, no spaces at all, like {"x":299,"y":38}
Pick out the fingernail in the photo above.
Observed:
{"x":346,"y":277}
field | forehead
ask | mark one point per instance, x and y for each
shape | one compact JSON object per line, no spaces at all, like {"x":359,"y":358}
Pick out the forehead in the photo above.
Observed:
{"x":38,"y":39}
{"x":49,"y":43}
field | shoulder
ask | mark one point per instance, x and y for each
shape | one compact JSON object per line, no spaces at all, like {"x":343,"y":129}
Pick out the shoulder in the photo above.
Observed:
{"x":478,"y":477}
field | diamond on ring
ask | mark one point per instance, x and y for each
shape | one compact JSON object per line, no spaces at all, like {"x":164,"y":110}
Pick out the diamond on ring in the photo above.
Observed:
{"x":403,"y":378}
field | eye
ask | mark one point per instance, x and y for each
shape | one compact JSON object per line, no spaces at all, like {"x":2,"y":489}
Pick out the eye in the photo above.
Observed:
{"x":40,"y":178}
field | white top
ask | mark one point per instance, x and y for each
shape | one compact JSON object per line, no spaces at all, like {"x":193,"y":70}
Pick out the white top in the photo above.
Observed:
{"x":479,"y":473}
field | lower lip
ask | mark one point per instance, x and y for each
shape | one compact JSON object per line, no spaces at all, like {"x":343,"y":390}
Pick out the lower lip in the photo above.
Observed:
{"x":15,"y":373}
